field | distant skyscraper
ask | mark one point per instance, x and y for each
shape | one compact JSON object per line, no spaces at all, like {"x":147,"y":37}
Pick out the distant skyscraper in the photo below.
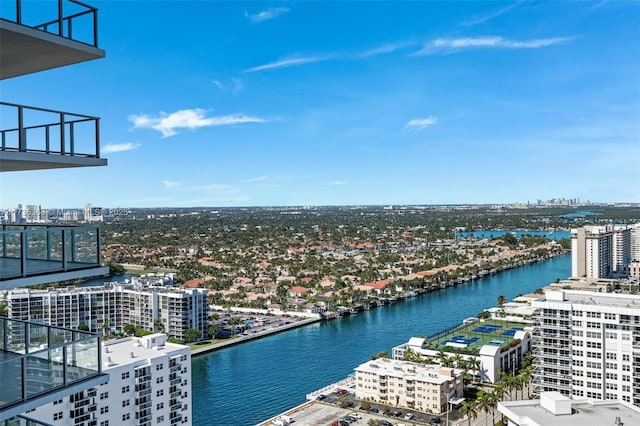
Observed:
{"x":635,"y":242}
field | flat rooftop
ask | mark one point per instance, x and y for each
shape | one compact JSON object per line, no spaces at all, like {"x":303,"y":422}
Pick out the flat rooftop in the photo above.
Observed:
{"x":120,"y":350}
{"x":584,"y":413}
{"x":475,"y":335}
{"x":576,"y":297}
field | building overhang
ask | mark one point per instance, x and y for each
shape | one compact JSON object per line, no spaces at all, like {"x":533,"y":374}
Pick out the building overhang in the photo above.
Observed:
{"x":53,"y":277}
{"x":25,"y":50}
{"x":11,"y":161}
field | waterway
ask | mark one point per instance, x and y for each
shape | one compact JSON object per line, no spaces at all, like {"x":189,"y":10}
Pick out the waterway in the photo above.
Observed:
{"x":495,"y":233}
{"x":251,"y":382}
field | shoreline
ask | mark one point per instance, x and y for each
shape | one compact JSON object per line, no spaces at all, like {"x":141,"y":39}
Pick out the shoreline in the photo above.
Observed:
{"x":244,"y":339}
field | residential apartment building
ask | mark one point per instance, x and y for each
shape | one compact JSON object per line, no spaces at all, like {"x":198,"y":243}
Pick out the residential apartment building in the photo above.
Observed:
{"x":110,"y":307}
{"x":635,"y":242}
{"x":41,"y":363}
{"x":409,"y":385}
{"x":553,"y":408}
{"x":587,"y":345}
{"x":149,"y":385}
{"x":600,"y":251}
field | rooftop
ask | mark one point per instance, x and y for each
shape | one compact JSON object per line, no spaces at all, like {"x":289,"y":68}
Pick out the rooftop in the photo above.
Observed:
{"x":409,"y":370}
{"x":582,"y":412}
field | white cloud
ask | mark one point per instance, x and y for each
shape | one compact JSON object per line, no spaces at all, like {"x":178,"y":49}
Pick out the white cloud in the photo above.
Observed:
{"x":119,"y":147}
{"x":218,"y":85}
{"x":456,"y":44}
{"x":384,"y":49}
{"x":338,"y":183}
{"x":420,"y":123}
{"x":171,"y":184}
{"x":167,"y":124}
{"x":266,"y":15}
{"x":491,"y":15}
{"x":284,"y":63}
{"x":238,"y":85}
{"x":256,"y":179}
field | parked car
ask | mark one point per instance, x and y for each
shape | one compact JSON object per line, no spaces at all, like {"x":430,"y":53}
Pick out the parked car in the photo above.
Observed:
{"x":384,"y":423}
{"x":408,"y":416}
{"x":355,"y":415}
{"x":435,"y":421}
{"x":396,"y":413}
{"x":321,"y":397}
{"x":375,"y":410}
{"x":341,"y":391}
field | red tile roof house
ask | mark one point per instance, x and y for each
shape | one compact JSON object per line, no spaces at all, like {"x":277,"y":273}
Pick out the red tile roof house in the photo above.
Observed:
{"x":380,"y":287}
{"x":298,"y":291}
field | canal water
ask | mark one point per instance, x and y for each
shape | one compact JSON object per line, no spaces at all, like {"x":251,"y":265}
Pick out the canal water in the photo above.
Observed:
{"x":251,"y":382}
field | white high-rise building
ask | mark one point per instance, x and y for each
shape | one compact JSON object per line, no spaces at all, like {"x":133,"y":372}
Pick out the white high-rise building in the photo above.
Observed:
{"x":621,"y":249}
{"x":635,"y":241}
{"x":149,"y":384}
{"x":587,"y":344}
{"x":591,"y":252}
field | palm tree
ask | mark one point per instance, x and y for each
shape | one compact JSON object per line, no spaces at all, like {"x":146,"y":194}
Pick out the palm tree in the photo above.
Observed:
{"x":496,"y":396}
{"x":485,"y":403}
{"x":508,"y":380}
{"x":475,"y":364}
{"x":501,"y":300}
{"x":527,"y":375}
{"x":469,"y":409}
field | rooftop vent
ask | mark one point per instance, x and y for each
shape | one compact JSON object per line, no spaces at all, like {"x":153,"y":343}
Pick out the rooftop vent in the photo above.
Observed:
{"x":618,"y":422}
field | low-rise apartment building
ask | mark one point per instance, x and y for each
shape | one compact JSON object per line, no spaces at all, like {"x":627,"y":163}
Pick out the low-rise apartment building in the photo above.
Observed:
{"x":429,"y":388}
{"x":110,"y":307}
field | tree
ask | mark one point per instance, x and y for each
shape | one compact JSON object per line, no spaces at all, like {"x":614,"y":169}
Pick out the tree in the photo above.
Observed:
{"x":365,"y":405}
{"x":129,"y":329}
{"x":469,"y":409}
{"x":485,"y":403}
{"x":343,"y":401}
{"x":381,"y":354}
{"x":213,"y":330}
{"x":191,"y":335}
{"x":501,"y":301}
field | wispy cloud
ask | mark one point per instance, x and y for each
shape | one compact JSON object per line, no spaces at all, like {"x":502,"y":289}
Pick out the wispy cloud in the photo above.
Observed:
{"x":290,"y":62}
{"x":256,"y":179}
{"x":119,"y":147}
{"x":171,"y":183}
{"x":386,"y":48}
{"x":494,"y":14}
{"x":338,"y":183}
{"x":494,"y":42}
{"x":195,"y":118}
{"x":236,"y":86}
{"x":420,"y":123}
{"x":266,"y":15}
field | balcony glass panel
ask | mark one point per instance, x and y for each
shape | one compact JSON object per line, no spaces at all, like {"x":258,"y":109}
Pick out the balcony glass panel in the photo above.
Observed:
{"x":27,"y":250}
{"x":39,"y":358}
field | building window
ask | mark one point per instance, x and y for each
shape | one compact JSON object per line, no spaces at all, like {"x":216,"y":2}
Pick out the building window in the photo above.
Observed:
{"x":57,"y":416}
{"x":125,"y":389}
{"x":160,"y":406}
{"x":104,"y":409}
{"x":159,"y":379}
{"x":126,"y":416}
{"x":104,"y":423}
{"x":160,"y":419}
{"x":104,"y":395}
{"x":159,"y":367}
{"x":160,"y":392}
{"x":126,"y":403}
{"x":125,"y":375}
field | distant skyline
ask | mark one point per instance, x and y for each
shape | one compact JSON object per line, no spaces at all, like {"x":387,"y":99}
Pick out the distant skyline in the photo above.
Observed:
{"x":226,"y":104}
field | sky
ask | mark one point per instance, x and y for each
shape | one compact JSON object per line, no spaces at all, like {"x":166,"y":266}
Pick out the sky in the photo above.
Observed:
{"x":213,"y":103}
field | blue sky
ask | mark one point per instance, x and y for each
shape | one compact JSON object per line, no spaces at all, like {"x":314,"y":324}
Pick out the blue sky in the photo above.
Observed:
{"x":334,"y":103}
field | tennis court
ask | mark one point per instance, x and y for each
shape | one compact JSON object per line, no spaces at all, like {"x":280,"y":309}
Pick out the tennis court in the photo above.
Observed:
{"x":496,"y":342}
{"x":460,"y":339}
{"x":487,"y":328}
{"x":512,"y":331}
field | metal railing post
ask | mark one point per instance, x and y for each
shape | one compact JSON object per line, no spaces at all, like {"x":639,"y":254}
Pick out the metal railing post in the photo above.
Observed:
{"x":22,"y":136}
{"x":97,"y":137}
{"x":64,"y":249}
{"x":23,"y":253}
{"x":73,"y":246}
{"x":60,"y":22}
{"x":71,"y":139}
{"x":62,"y":133}
{"x":19,"y":11}
{"x":95,"y":27}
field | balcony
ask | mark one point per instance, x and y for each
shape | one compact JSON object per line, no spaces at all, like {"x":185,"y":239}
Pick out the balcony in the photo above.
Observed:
{"x":37,"y":36}
{"x":36,"y":138}
{"x":40,"y":254}
{"x":40,"y":363}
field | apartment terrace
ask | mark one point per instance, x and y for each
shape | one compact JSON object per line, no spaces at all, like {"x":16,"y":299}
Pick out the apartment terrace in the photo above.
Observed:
{"x":40,"y":254}
{"x":44,"y":363}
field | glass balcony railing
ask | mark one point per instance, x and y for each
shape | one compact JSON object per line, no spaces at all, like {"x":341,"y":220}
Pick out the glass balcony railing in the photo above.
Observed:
{"x":46,"y":131}
{"x":38,"y":359}
{"x":30,"y":250}
{"x":70,"y":19}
